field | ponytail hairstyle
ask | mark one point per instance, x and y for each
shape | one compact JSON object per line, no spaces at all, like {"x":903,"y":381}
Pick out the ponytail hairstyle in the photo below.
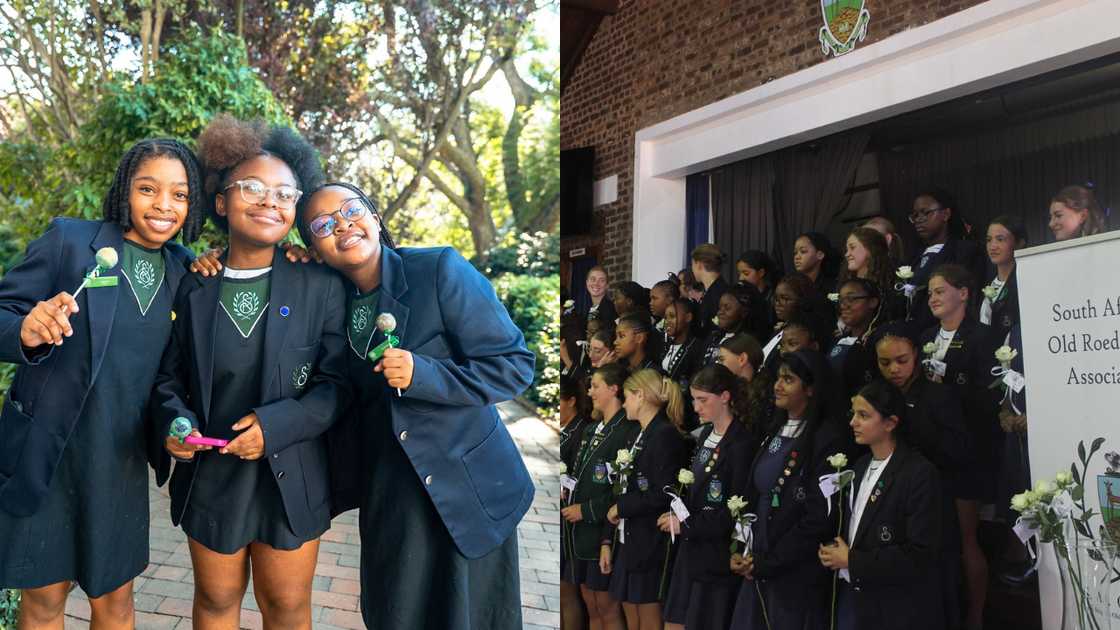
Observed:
{"x":302,"y":220}
{"x":1081,"y":198}
{"x":115,"y":207}
{"x":709,"y":257}
{"x":831,"y":262}
{"x":879,"y":268}
{"x":747,"y":392}
{"x":613,"y":375}
{"x":887,"y":401}
{"x":661,"y":391}
{"x":640,"y":324}
{"x":744,"y":343}
{"x":895,"y":248}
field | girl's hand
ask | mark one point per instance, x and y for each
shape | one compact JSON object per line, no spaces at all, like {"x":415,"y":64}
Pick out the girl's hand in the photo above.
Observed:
{"x":747,"y":570}
{"x":834,"y":556}
{"x":295,"y":253}
{"x":605,"y":559}
{"x":397,"y":366}
{"x":207,"y":264}
{"x":48,"y":322}
{"x":250,"y":444}
{"x":572,"y":513}
{"x":738,"y":565}
{"x":612,"y":515}
{"x":182,"y":450}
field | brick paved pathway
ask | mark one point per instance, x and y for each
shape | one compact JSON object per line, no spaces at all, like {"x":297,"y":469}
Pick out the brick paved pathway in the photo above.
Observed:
{"x":163,"y":593}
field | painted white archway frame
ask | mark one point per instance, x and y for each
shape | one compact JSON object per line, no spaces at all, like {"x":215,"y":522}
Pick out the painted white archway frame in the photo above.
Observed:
{"x":991,"y":44}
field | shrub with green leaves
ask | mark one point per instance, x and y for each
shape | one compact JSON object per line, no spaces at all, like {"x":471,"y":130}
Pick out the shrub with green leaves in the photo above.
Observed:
{"x":9,"y":608}
{"x":531,"y":302}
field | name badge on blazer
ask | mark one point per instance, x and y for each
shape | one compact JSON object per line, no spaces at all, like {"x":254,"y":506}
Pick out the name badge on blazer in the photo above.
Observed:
{"x":102,"y":281}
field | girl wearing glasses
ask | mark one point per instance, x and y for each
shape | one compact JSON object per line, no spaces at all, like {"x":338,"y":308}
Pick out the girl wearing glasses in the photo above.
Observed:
{"x":444,"y":486}
{"x":961,"y":354}
{"x":851,"y":357}
{"x":257,"y":357}
{"x":73,"y":480}
{"x":944,"y":236}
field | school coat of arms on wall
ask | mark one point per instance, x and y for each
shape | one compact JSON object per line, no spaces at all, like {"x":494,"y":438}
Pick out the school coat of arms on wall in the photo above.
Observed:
{"x":845,"y":24}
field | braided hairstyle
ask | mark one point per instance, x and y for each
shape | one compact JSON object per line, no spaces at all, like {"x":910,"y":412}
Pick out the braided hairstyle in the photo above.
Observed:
{"x":115,"y":207}
{"x":304,"y":201}
{"x":227,"y":142}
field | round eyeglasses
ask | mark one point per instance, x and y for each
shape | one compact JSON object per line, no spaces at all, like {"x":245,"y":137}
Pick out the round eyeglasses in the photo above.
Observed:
{"x":351,"y":210}
{"x":255,"y":192}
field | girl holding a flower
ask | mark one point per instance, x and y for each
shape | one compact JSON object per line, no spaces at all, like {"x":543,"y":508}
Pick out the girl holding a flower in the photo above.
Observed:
{"x":960,"y":353}
{"x":584,"y":514}
{"x":702,"y":589}
{"x":888,"y":554}
{"x":638,"y":559}
{"x":784,"y":585}
{"x":574,"y":419}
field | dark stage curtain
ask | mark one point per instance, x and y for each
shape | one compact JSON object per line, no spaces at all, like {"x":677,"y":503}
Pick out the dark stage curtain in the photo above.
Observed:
{"x":1014,"y":169}
{"x":697,"y":205}
{"x":743,"y":209}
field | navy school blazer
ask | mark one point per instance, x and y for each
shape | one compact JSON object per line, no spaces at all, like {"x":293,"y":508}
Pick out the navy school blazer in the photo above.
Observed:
{"x":51,"y":384}
{"x":894,"y":558}
{"x":304,"y":335}
{"x":467,"y":356}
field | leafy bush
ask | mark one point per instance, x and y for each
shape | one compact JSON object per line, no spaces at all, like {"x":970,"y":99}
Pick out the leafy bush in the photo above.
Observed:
{"x":535,"y":254}
{"x":531,"y":302}
{"x":9,"y":609}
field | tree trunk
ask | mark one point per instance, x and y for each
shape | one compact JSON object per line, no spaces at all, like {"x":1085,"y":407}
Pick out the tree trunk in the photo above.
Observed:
{"x":145,"y":43}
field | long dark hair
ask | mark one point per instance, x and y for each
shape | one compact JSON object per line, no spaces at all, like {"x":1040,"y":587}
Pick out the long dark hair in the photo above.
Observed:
{"x":115,"y":207}
{"x":305,"y":231}
{"x":820,"y":242}
{"x":958,"y":227}
{"x":572,"y":389}
{"x":760,"y":260}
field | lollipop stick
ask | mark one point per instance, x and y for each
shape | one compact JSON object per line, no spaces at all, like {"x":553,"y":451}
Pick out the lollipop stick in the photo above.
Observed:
{"x":77,"y":293}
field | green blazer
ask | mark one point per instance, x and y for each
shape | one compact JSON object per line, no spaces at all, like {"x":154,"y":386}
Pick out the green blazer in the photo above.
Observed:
{"x":593,"y":491}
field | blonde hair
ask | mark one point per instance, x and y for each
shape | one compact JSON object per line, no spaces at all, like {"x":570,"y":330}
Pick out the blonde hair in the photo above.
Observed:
{"x":660,"y":390}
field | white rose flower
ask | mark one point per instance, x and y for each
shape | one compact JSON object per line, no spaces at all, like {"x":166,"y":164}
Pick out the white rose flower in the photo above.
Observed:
{"x":1031,"y":497}
{"x":715,"y":320}
{"x":735,"y":505}
{"x":1063,"y":478}
{"x":569,"y":304}
{"x":563,"y":468}
{"x":1005,"y":354}
{"x":833,"y":297}
{"x":990,"y":292}
{"x":838,"y":461}
{"x":1044,"y":488}
{"x":1020,"y":502}
{"x":623,"y":457}
{"x":929,"y":348}
{"x":904,"y":272}
{"x":685,"y":477}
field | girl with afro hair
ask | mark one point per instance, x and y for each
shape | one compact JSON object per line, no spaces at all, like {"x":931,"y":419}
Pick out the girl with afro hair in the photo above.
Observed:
{"x":257,"y":358}
{"x":73,"y":480}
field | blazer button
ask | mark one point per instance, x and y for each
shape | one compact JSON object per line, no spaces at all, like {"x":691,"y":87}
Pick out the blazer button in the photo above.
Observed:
{"x":404,"y":435}
{"x":428,"y":480}
{"x":280,"y":475}
{"x":276,"y":456}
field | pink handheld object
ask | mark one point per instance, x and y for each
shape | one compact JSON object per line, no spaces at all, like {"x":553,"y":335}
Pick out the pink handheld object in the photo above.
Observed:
{"x":205,"y":441}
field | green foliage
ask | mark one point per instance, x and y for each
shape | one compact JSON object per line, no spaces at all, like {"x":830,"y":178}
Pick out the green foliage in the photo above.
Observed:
{"x":197,"y":77}
{"x":532,"y":254}
{"x":9,"y":609}
{"x":531,"y":302}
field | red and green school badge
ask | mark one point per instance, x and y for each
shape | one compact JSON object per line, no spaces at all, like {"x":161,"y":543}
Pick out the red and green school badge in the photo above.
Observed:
{"x":845,"y":24}
{"x":1108,"y":491}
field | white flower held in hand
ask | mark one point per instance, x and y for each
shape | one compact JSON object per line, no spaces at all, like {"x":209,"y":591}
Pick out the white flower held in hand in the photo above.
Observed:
{"x":904,"y":272}
{"x":838,"y":461}
{"x":563,"y":468}
{"x":685,"y":477}
{"x":929,"y":348}
{"x":1005,"y":354}
{"x":735,"y":505}
{"x":833,"y":297}
{"x":715,"y":320}
{"x":623,"y":457}
{"x":990,"y":292}
{"x":569,"y":304}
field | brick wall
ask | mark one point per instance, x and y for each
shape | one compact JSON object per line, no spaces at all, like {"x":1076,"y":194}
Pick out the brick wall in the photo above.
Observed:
{"x":656,"y":59}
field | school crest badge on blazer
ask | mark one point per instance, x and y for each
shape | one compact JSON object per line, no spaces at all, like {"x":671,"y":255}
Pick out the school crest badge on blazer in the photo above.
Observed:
{"x":715,"y":490}
{"x":885,"y":534}
{"x":300,"y":375}
{"x":600,"y":474}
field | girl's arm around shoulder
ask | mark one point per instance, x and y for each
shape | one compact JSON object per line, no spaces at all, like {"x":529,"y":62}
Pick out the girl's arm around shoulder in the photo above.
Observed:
{"x":492,"y":362}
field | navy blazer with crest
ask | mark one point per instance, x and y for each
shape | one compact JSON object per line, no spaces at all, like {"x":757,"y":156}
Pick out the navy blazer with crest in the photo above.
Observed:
{"x":467,"y":356}
{"x":706,"y":533}
{"x":50,"y":386}
{"x":893,"y":560}
{"x":304,"y":334}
